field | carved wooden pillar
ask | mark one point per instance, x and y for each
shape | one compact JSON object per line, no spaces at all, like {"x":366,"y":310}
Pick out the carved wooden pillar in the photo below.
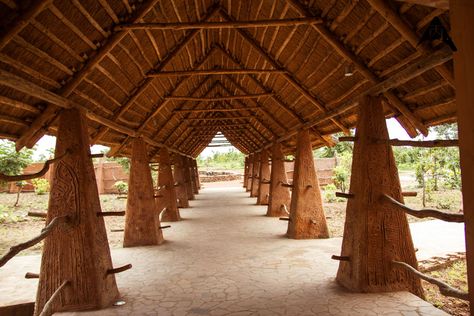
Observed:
{"x":264,"y":177}
{"x":279,"y":195}
{"x":188,"y":178}
{"x":462,"y":24}
{"x":179,"y":176}
{"x":141,"y":218}
{"x":246,"y":172}
{"x":167,"y":192}
{"x":255,"y":175}
{"x":194,"y":175}
{"x":375,"y":232}
{"x":77,"y":250}
{"x":307,"y":218}
{"x":249,"y":173}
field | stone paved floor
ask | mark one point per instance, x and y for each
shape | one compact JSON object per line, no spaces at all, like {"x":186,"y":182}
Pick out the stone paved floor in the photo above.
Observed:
{"x":226,"y":258}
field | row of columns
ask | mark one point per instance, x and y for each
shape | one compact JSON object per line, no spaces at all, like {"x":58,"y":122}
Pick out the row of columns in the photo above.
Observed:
{"x":77,"y":251}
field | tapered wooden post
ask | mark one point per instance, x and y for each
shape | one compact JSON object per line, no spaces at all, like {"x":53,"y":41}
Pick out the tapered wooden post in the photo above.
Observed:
{"x":462,"y":24}
{"x":376,"y":232}
{"x":249,"y":173}
{"x":255,"y":175}
{"x":195,"y":175}
{"x":179,"y":177}
{"x":279,"y":195}
{"x":141,"y":218}
{"x":167,"y":192}
{"x":264,"y":177}
{"x":76,"y":251}
{"x":188,"y":178}
{"x":246,"y":172}
{"x":307,"y":218}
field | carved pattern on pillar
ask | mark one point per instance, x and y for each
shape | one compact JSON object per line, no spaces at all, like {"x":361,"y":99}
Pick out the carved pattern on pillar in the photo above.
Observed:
{"x":264,"y":176}
{"x":168,"y":193}
{"x":255,"y":175}
{"x":141,"y":218}
{"x":181,"y":191}
{"x":250,"y":174}
{"x":307,"y":219}
{"x":279,"y":195}
{"x":375,"y":232}
{"x":188,"y":177}
{"x":67,"y":250}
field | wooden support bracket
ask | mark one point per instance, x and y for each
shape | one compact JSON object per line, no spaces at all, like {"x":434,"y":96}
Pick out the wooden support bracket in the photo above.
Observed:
{"x":410,"y":193}
{"x":341,"y":258}
{"x":285,"y":219}
{"x":38,"y":214}
{"x":119,"y":269}
{"x":164,"y":227}
{"x":31,"y":275}
{"x":345,"y":195}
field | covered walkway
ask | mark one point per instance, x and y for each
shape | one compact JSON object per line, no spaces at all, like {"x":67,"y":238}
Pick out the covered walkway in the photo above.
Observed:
{"x":227,"y":258}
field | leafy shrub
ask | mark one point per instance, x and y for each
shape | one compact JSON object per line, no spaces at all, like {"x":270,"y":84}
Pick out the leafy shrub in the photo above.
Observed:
{"x":445,"y":203}
{"x":121,"y":186}
{"x":7,"y":216}
{"x":41,"y":186}
{"x":329,"y":193}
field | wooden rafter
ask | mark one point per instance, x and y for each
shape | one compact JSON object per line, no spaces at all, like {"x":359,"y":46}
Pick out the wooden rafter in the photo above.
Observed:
{"x":216,"y":110}
{"x":217,"y":25}
{"x":217,"y":118}
{"x":204,"y":72}
{"x":215,"y":99}
{"x":442,"y":4}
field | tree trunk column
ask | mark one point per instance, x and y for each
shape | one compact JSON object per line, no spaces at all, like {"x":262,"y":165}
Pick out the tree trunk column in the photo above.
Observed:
{"x":167,"y":192}
{"x":246,"y":170}
{"x":375,"y":232}
{"x":179,"y":176}
{"x":194,"y":175}
{"x":462,"y":24}
{"x":141,"y":218}
{"x":188,"y":178}
{"x":307,"y":219}
{"x":264,"y":177}
{"x":76,"y":251}
{"x":255,"y":175}
{"x":249,"y":174}
{"x":279,"y":195}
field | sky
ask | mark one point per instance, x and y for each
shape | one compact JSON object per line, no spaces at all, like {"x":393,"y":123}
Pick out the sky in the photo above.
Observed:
{"x":47,"y":142}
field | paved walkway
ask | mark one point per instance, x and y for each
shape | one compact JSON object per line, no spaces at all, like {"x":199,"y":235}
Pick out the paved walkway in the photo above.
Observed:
{"x":226,"y":258}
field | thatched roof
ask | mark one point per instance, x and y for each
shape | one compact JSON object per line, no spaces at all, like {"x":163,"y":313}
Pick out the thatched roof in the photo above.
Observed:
{"x":284,"y":71}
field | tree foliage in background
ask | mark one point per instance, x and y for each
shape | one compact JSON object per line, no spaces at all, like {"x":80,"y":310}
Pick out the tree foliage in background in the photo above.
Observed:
{"x":230,"y":160}
{"x":12,"y":162}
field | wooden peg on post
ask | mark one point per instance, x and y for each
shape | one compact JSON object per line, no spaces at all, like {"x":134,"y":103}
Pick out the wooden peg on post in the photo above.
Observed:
{"x":279,"y":195}
{"x":264,"y":173}
{"x":376,"y":232}
{"x":255,"y":174}
{"x":141,"y":221}
{"x":179,"y":176}
{"x":306,"y":211}
{"x":165,"y":180}
{"x":67,"y":251}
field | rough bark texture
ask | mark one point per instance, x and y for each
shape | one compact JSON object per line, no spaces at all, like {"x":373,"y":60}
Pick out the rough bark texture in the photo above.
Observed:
{"x":255,"y":175}
{"x":188,"y":178}
{"x":168,"y":193}
{"x":279,"y":195}
{"x":179,"y":176}
{"x":376,"y":232}
{"x":77,"y":251}
{"x":462,"y":24}
{"x":264,"y":176}
{"x":196,"y":170}
{"x":249,"y":174}
{"x":307,"y":219}
{"x":142,"y":217}
{"x":246,"y":172}
{"x":194,"y":175}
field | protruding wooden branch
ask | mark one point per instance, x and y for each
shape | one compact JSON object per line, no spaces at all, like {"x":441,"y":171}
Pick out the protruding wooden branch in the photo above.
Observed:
{"x":217,"y":25}
{"x":345,"y":195}
{"x":97,"y":155}
{"x":347,"y":139}
{"x":425,"y":143}
{"x":30,"y":243}
{"x":38,"y":214}
{"x":121,"y":197}
{"x":199,"y":72}
{"x":118,"y":230}
{"x":164,"y":227}
{"x":341,"y":258}
{"x":288,"y":160}
{"x":31,"y":275}
{"x":121,"y":213}
{"x":423,"y":213}
{"x":38,"y":174}
{"x":410,"y":193}
{"x":285,"y":219}
{"x":49,"y":304}
{"x":285,"y":208}
{"x":223,"y":98}
{"x":119,"y":269}
{"x":287,"y":185}
{"x":444,"y":288}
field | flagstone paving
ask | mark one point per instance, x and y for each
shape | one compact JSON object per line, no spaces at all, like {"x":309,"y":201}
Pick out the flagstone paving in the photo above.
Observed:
{"x":226,"y":258}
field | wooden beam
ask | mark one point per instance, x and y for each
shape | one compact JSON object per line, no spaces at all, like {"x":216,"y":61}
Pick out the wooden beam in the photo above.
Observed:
{"x":215,"y":110}
{"x":222,"y":98}
{"x":217,"y":118}
{"x":203,"y":72}
{"x":217,"y":25}
{"x":441,"y":4}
